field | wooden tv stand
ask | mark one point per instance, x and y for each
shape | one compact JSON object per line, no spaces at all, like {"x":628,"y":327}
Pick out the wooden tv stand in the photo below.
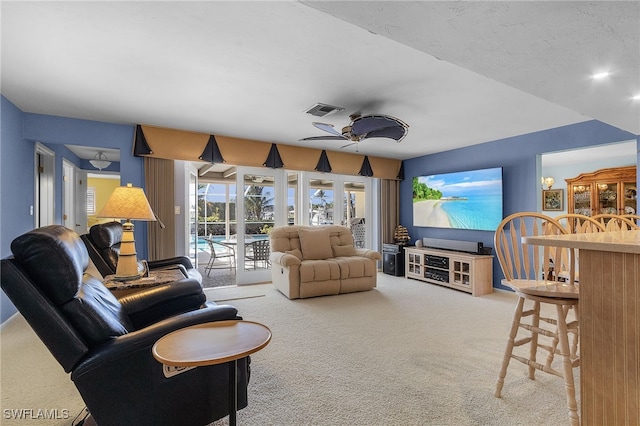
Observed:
{"x":472,"y":273}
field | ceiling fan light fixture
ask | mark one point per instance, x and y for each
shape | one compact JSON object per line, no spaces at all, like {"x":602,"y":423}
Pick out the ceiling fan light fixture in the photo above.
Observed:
{"x":100,"y":161}
{"x":363,"y":127}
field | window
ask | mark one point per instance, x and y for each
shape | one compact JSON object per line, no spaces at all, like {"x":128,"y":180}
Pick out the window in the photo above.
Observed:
{"x":91,"y":200}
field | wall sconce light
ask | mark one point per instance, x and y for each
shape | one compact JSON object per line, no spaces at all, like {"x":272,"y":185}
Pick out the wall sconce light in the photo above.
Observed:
{"x":547,"y":182}
{"x":100,"y":161}
{"x":127,"y":202}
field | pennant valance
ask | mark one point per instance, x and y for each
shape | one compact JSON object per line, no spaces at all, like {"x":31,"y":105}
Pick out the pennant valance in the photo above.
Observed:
{"x":172,"y":144}
{"x":151,"y":141}
{"x":323,"y":165}
{"x":273,"y":159}
{"x":365,"y":169}
{"x":401,"y":172}
{"x":211,"y":153}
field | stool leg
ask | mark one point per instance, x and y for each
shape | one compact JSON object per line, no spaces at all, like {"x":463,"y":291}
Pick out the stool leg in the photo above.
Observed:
{"x":233,"y":392}
{"x":576,"y":337}
{"x":567,"y":369}
{"x":533,"y":346}
{"x":510,"y":343}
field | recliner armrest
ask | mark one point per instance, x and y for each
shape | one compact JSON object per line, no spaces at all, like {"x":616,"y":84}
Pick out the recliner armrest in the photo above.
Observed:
{"x":181,"y":262}
{"x":371,"y":254}
{"x":120,"y":348}
{"x":172,"y":261}
{"x":157,"y":303}
{"x":96,"y":257}
{"x":284,"y":259}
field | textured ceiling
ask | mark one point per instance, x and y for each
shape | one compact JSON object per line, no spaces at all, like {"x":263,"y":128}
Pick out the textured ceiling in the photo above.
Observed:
{"x":459,"y":73}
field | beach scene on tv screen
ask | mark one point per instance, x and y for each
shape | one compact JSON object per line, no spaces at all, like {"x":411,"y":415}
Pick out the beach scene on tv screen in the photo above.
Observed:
{"x":463,"y":200}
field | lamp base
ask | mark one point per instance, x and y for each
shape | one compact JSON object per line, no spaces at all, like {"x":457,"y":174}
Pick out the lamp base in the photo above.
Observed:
{"x":127,"y":267}
{"x":127,"y":278}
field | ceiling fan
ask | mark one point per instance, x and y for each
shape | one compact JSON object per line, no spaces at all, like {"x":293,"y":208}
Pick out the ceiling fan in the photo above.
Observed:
{"x":364,"y":127}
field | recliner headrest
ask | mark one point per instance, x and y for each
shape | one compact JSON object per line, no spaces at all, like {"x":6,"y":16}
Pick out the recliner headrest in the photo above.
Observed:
{"x":106,"y":235}
{"x":55,"y":258}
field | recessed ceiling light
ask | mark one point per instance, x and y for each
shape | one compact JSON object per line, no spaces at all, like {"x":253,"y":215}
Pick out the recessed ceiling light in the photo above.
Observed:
{"x":601,"y":75}
{"x":636,"y":97}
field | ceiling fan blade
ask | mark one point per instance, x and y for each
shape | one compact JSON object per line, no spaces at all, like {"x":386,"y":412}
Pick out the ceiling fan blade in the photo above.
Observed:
{"x":324,"y":138}
{"x":369,"y":123}
{"x":349,"y":144}
{"x":327,"y":128}
{"x":396,"y":133}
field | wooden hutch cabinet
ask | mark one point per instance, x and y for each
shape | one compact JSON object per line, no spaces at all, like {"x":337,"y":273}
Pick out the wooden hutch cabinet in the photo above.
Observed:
{"x":608,"y":191}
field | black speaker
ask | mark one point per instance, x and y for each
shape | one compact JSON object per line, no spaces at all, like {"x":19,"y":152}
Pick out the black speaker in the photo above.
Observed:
{"x":393,"y":263}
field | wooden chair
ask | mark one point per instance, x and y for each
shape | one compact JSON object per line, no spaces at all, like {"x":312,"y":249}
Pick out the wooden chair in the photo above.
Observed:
{"x":615,"y":222}
{"x":575,"y":223}
{"x":528,"y":272}
{"x":632,"y":217}
{"x":220,"y":252}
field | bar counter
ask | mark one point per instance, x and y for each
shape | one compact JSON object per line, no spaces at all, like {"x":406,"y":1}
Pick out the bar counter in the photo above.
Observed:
{"x":609,"y":265}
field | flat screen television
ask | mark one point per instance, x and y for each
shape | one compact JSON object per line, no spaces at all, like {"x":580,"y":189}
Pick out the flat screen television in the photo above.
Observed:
{"x":462,"y":200}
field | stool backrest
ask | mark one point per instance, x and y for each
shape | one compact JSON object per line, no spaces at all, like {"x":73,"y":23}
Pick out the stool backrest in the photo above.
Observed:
{"x":524,"y":261}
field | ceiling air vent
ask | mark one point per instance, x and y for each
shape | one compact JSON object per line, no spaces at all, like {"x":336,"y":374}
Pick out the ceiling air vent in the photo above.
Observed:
{"x":320,"y":110}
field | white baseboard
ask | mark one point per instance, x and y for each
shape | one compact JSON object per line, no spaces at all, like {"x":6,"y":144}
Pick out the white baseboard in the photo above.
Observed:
{"x":9,"y":320}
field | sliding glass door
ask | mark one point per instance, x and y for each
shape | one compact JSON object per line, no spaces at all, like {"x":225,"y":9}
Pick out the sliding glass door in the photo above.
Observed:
{"x":340,"y":200}
{"x":264,"y":197}
{"x":240,"y":212}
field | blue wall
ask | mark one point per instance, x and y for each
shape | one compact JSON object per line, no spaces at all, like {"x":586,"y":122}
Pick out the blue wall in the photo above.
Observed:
{"x":19,"y":132}
{"x":16,"y":185}
{"x":517,"y":157}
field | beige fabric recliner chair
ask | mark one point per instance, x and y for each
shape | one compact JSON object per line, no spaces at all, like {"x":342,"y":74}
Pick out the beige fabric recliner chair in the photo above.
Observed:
{"x":309,"y":261}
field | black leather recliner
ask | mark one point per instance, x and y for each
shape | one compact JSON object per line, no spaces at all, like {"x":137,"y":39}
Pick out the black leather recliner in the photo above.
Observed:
{"x":105,"y":343}
{"x":103,"y":245}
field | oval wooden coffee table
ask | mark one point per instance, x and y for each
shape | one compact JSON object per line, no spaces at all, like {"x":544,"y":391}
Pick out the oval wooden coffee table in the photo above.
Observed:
{"x":213,"y":343}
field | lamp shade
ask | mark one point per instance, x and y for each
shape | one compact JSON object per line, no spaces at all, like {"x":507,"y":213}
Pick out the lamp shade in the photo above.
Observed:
{"x":128,"y":202}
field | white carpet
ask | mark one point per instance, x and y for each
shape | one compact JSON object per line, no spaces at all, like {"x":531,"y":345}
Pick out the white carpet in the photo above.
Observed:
{"x":406,"y":353}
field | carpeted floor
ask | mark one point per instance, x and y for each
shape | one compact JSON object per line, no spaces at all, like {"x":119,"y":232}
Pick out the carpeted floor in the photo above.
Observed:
{"x":406,"y":353}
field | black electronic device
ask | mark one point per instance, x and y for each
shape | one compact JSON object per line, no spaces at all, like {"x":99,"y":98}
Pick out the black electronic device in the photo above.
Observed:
{"x":437,"y":275}
{"x":390,"y":248}
{"x":455,"y":245}
{"x":436,"y":261}
{"x":393,"y":263}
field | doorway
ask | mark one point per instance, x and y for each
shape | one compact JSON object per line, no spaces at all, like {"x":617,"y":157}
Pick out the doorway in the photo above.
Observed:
{"x":44,"y":178}
{"x":561,"y":165}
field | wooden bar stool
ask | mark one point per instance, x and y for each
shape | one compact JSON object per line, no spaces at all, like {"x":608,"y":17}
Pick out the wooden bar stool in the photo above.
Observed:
{"x":529,"y":272}
{"x":615,"y":222}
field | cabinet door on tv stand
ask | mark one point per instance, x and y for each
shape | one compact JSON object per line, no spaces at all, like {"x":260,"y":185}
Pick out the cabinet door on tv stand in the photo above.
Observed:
{"x":413,"y":264}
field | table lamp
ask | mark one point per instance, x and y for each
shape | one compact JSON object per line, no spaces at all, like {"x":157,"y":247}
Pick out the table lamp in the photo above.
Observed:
{"x":129,"y":203}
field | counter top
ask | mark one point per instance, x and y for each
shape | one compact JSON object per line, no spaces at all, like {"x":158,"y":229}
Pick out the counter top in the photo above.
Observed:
{"x":618,"y":241}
